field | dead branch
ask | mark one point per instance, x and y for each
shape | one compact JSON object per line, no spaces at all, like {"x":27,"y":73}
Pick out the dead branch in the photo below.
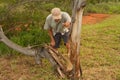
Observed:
{"x":64,"y":62}
{"x":14,"y":46}
{"x":60,"y":63}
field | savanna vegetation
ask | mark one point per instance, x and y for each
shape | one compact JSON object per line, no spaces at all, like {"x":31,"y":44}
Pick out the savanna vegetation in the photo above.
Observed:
{"x":23,"y":21}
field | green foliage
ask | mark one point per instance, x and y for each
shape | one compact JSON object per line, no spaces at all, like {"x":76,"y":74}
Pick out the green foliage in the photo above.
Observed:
{"x":101,"y":1}
{"x":5,"y":50}
{"x":34,"y":13}
{"x":31,"y":13}
{"x":110,"y":8}
{"x":31,"y":36}
{"x":99,"y":44}
{"x":100,"y":58}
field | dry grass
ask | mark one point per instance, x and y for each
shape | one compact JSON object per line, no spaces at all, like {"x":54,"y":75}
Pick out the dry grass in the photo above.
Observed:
{"x":100,"y":56}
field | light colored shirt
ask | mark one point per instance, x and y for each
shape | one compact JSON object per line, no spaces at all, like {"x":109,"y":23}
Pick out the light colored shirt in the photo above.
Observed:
{"x":57,"y":26}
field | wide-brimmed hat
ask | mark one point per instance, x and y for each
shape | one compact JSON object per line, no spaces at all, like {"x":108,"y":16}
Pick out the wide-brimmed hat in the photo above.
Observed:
{"x":56,"y":13}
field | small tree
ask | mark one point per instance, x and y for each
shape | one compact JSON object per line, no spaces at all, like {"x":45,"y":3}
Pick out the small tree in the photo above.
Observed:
{"x":65,"y":67}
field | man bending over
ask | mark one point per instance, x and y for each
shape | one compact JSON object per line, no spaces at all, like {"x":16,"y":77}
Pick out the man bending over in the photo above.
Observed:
{"x":58,"y":24}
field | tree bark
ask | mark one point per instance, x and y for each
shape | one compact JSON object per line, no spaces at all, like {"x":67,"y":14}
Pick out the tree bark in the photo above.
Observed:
{"x":75,"y":37}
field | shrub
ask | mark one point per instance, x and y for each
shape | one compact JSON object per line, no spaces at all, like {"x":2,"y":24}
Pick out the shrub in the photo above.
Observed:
{"x":110,"y":8}
{"x":33,"y":36}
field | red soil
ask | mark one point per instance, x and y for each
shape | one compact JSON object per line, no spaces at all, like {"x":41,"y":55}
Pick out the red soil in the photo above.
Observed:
{"x":94,"y":18}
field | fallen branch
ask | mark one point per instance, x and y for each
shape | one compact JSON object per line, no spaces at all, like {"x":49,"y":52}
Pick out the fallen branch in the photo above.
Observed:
{"x":60,"y":63}
{"x":14,"y":46}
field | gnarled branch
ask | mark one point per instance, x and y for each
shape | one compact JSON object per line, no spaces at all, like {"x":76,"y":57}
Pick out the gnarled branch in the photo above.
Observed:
{"x":14,"y":46}
{"x":41,"y":52}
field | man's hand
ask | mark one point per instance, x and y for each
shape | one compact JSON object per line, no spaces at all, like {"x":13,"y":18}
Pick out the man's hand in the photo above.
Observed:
{"x":66,"y":24}
{"x":52,"y":43}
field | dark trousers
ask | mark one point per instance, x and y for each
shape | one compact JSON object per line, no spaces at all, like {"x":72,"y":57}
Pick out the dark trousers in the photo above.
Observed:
{"x":58,"y":37}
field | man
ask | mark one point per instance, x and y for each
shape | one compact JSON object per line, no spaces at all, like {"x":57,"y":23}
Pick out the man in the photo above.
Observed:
{"x":58,"y":24}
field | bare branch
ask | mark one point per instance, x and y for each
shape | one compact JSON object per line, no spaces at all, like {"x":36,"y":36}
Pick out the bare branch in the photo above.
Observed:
{"x":81,"y":4}
{"x":0,"y":33}
{"x":41,"y":52}
{"x":0,"y":39}
{"x":14,"y":46}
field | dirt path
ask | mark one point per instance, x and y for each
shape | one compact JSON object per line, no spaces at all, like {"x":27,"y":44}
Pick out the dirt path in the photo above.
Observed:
{"x":94,"y":18}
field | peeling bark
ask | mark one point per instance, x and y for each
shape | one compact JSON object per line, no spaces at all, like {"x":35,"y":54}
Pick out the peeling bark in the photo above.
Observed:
{"x":75,"y":37}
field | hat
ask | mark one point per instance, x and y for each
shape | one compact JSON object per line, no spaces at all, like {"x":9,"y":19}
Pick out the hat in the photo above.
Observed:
{"x":56,"y":13}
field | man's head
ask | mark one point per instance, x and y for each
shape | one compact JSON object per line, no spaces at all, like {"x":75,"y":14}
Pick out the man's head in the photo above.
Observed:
{"x":56,"y":14}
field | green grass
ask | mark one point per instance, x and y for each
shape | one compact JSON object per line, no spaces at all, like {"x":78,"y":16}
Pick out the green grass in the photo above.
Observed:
{"x":100,"y":56}
{"x":100,"y":50}
{"x":109,"y":8}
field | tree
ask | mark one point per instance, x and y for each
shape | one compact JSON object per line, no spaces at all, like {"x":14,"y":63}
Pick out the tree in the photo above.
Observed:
{"x":77,"y":12}
{"x":65,"y":67}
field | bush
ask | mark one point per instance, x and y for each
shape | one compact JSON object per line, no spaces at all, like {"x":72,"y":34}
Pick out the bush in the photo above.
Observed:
{"x":110,"y":8}
{"x":32,"y":36}
{"x":35,"y":14}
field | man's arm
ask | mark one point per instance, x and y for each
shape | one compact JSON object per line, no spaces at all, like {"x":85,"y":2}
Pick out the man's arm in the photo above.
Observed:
{"x":67,"y":24}
{"x":68,"y":20}
{"x":47,"y":27}
{"x":50,"y":33}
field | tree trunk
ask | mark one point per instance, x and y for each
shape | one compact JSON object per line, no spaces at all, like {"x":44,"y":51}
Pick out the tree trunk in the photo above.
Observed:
{"x":75,"y":37}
